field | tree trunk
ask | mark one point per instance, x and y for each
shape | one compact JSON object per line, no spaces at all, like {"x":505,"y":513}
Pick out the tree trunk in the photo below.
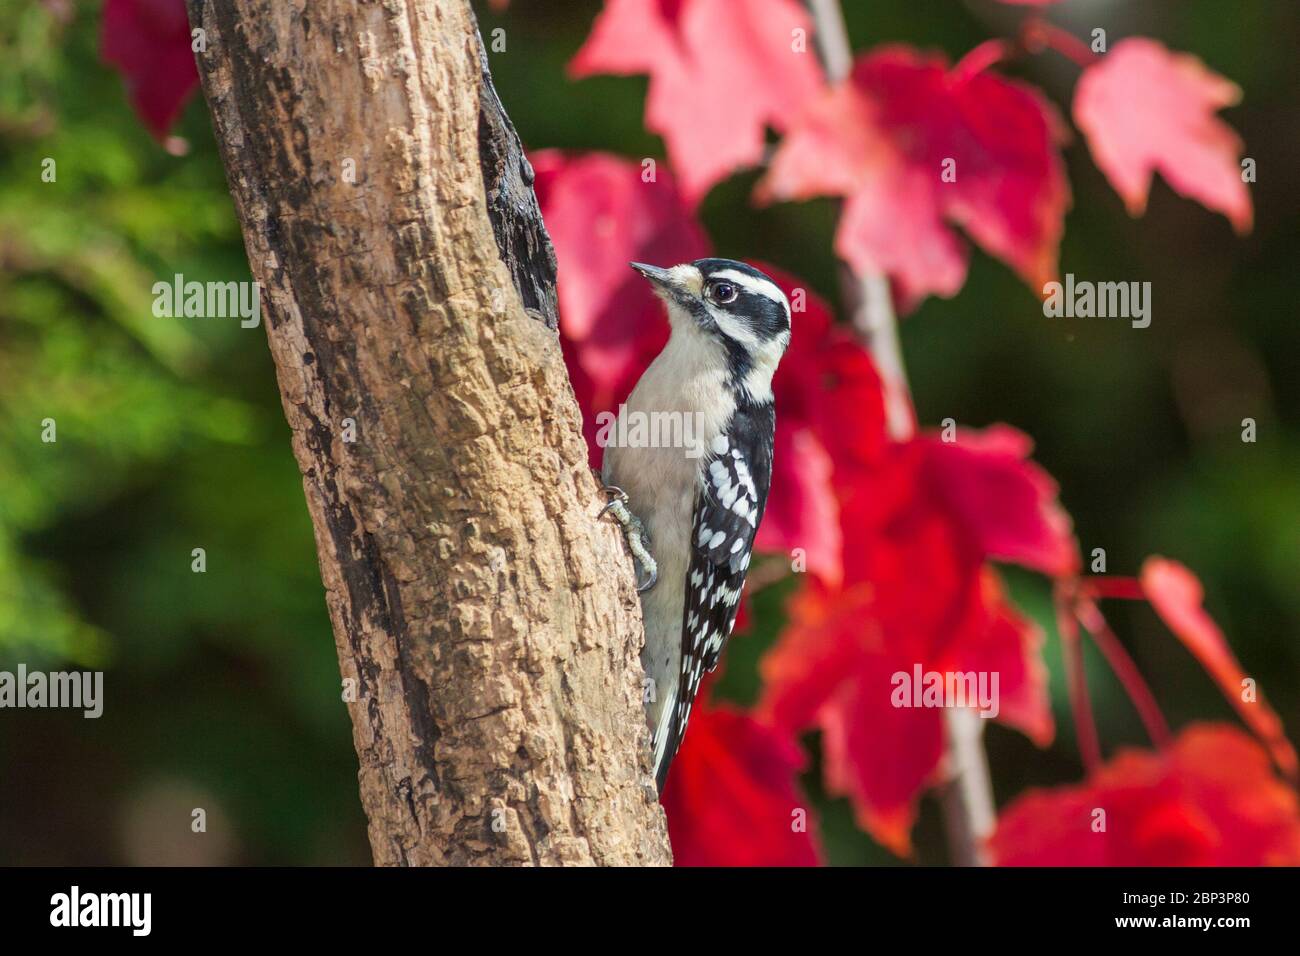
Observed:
{"x":488,"y":619}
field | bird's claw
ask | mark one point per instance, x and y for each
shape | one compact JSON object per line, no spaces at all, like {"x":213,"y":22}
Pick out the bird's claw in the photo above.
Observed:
{"x":620,"y":497}
{"x":653,"y":571}
{"x":634,"y":532}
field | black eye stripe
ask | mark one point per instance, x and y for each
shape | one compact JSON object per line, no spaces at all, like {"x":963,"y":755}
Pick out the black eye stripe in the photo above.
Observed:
{"x":758,"y":312}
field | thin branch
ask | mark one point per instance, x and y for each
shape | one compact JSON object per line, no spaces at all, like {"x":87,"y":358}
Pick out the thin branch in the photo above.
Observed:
{"x":871,"y":311}
{"x":1036,"y":34}
{"x":1033,"y":37}
{"x":982,"y":57}
{"x":969,"y":814}
{"x":1126,"y":670}
{"x":1085,"y":727}
{"x":832,"y":38}
{"x":967,"y":799}
{"x":1113,"y":586}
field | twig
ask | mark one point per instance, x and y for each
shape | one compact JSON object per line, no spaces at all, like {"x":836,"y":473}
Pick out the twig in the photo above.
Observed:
{"x":1130,"y":677}
{"x":1034,"y":36}
{"x":871,"y":310}
{"x":1036,"y":33}
{"x":967,"y":798}
{"x":832,"y":38}
{"x":1085,"y":727}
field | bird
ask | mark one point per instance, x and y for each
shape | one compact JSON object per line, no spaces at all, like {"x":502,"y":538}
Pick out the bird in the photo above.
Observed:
{"x":690,"y":510}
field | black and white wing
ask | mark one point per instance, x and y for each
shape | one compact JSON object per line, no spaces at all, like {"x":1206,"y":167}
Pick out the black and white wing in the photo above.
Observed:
{"x":729,"y":504}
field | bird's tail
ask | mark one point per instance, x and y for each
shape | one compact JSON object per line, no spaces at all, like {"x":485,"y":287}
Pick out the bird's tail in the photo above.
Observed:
{"x":665,"y":738}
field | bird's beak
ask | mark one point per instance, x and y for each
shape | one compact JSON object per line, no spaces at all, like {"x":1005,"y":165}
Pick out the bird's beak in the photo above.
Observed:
{"x":658,"y":277}
{"x":678,"y":286}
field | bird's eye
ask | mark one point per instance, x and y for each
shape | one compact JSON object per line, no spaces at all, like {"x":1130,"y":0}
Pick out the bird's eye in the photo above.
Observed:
{"x":722,"y":292}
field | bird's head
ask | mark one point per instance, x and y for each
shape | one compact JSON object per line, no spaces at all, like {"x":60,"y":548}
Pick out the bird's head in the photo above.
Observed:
{"x":732,"y":304}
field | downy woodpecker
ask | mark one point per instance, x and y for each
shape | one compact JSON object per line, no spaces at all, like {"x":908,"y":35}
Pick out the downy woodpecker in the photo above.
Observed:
{"x":690,"y":513}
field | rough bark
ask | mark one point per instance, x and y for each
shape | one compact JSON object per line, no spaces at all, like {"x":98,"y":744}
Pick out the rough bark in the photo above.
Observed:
{"x":489,"y":620}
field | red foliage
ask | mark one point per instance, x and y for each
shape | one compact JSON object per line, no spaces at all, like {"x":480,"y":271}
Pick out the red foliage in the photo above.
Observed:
{"x":721,"y":71}
{"x":918,"y":592}
{"x":1176,"y":595}
{"x":1007,"y":503}
{"x":1210,"y":800}
{"x":149,"y":41}
{"x":1145,"y":109}
{"x":731,"y":799}
{"x":884,"y":140}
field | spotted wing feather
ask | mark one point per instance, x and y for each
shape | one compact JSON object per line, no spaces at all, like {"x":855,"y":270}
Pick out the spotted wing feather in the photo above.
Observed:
{"x":729,"y":505}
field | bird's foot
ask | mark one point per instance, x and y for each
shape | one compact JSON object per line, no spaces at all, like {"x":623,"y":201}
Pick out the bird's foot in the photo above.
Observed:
{"x":638,"y":539}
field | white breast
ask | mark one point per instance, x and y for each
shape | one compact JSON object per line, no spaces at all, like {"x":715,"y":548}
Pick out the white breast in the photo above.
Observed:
{"x":686,"y":378}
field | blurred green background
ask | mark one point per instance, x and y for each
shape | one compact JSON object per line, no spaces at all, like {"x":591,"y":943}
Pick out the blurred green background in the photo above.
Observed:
{"x":222,"y":688}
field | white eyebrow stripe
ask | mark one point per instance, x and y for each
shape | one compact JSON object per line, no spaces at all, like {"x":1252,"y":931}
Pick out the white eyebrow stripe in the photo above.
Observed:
{"x":764,"y":287}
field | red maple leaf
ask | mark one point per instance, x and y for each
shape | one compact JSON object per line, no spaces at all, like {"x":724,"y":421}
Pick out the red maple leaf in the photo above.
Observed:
{"x":1176,"y":594}
{"x":732,"y":797}
{"x":1211,"y":799}
{"x":994,"y":503}
{"x":835,"y":668}
{"x":1144,"y":109}
{"x":721,"y":71}
{"x":918,"y":593}
{"x":1006,"y":501}
{"x":149,"y":41}
{"x":830,"y":669}
{"x":916,"y":148}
